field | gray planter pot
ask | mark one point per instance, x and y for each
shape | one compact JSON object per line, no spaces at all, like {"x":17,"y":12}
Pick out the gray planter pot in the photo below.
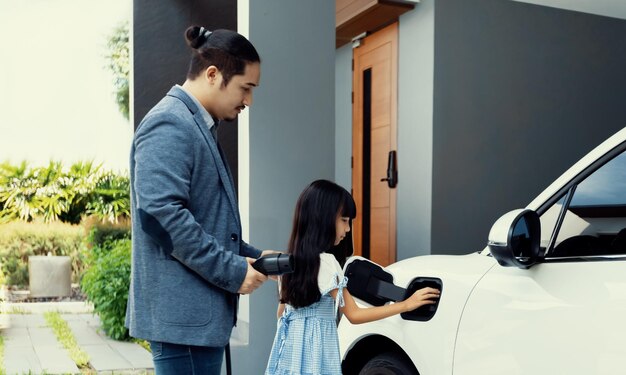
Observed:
{"x":49,"y":276}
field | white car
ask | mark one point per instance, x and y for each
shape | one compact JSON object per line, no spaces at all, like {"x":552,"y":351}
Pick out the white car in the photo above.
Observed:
{"x":546,"y":296}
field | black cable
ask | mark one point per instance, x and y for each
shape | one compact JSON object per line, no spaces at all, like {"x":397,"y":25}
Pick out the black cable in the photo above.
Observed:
{"x":227,"y":351}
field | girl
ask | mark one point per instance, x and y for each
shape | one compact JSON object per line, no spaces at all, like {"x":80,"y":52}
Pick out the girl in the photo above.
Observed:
{"x":306,"y":340}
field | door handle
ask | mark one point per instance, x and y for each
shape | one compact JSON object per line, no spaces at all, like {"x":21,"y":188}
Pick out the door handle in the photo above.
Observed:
{"x":392,"y":170}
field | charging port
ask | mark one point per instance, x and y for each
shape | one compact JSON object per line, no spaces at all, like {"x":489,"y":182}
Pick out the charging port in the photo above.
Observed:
{"x":425,"y":312}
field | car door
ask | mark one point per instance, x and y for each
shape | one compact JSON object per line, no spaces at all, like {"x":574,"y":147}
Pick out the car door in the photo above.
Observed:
{"x":566,"y":314}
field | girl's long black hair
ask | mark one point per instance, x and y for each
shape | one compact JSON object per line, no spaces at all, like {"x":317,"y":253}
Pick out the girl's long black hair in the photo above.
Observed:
{"x":314,"y":232}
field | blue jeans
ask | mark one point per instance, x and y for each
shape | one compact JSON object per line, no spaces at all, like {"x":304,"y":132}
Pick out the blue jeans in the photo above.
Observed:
{"x":174,"y":359}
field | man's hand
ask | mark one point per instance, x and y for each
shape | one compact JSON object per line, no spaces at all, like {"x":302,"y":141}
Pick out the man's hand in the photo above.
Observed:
{"x":268,"y":252}
{"x":253,"y":279}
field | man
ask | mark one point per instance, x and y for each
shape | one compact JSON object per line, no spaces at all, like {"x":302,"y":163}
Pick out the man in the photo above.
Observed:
{"x":189,"y":263}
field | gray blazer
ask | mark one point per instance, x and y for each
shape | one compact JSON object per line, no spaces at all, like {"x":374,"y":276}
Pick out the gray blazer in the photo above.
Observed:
{"x":187,"y":253}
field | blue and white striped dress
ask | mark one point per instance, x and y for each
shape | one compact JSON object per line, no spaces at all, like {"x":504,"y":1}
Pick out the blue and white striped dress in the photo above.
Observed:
{"x":306,"y":341}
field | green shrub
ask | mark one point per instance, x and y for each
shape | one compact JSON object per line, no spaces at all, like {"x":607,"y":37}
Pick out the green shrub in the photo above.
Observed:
{"x":101,"y":235}
{"x":19,"y":240}
{"x":106,"y":284}
{"x":58,"y":193}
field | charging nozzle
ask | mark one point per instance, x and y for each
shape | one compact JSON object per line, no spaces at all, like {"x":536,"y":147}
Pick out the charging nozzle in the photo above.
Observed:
{"x":274,"y":264}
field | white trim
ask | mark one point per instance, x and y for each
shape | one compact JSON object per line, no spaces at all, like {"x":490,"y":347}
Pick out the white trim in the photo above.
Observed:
{"x":243,"y":138}
{"x":241,"y":332}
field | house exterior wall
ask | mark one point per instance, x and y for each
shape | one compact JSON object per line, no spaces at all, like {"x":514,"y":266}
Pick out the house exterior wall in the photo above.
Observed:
{"x":415,"y":130}
{"x":521,"y":92}
{"x":609,"y":8}
{"x":291,"y":138}
{"x":289,"y":130}
{"x":496,"y":99}
{"x":343,"y":116}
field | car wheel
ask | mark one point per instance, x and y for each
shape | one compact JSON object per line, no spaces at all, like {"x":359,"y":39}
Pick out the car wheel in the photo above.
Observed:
{"x":388,"y":364}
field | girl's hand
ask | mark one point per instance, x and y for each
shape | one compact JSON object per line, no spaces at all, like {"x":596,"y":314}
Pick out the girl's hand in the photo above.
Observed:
{"x":421,"y":297}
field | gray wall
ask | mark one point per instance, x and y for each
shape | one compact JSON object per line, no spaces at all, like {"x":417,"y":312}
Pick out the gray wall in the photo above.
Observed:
{"x":521,"y":92}
{"x":415,"y":130}
{"x":291,"y":138}
{"x":161,"y":55}
{"x":610,"y":8}
{"x":343,"y":116}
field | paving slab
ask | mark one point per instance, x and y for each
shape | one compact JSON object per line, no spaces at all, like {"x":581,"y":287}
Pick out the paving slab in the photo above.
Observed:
{"x":91,"y":319}
{"x":21,"y":360}
{"x":138,"y":357}
{"x":42,"y":307}
{"x":105,"y":353}
{"x":43,"y":336}
{"x":30,"y":320}
{"x":16,"y":337}
{"x":104,"y":358}
{"x":4,"y":319}
{"x":83,"y":332}
{"x":55,"y":359}
{"x":32,"y":348}
{"x":16,"y":321}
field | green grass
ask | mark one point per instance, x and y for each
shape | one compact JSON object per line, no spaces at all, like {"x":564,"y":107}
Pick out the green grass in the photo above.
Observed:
{"x":2,"y":370}
{"x":17,"y":311}
{"x":64,"y":335}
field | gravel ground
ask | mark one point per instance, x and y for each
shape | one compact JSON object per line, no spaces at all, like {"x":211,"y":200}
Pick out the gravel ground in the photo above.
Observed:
{"x":15,"y":295}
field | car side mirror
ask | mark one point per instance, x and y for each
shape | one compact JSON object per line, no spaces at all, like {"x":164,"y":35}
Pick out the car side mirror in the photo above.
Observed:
{"x":514,"y":239}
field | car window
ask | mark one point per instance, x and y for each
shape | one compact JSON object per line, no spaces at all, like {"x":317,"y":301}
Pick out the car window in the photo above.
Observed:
{"x":605,"y":187}
{"x":595,"y":219}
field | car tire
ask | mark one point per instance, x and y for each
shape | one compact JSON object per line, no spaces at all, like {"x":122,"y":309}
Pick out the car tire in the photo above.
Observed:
{"x":388,"y":364}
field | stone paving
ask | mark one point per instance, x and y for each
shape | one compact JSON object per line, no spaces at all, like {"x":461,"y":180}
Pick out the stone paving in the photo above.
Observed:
{"x":30,"y":347}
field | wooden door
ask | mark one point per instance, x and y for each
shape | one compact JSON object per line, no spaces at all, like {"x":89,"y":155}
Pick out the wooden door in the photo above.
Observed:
{"x":374,"y":132}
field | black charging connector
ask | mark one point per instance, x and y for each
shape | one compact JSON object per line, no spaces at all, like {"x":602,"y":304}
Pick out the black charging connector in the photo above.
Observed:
{"x":274,"y":264}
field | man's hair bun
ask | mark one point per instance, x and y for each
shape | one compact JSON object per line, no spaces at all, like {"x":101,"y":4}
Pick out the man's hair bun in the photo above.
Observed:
{"x":196,"y":36}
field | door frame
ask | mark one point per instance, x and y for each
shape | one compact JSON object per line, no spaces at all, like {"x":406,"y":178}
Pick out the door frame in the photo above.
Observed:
{"x":388,"y":34}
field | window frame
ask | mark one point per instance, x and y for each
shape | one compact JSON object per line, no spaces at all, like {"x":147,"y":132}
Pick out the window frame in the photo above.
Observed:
{"x":567,"y":191}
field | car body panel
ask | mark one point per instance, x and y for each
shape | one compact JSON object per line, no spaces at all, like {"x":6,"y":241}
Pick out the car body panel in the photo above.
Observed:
{"x":459,"y":275}
{"x":550,"y":319}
